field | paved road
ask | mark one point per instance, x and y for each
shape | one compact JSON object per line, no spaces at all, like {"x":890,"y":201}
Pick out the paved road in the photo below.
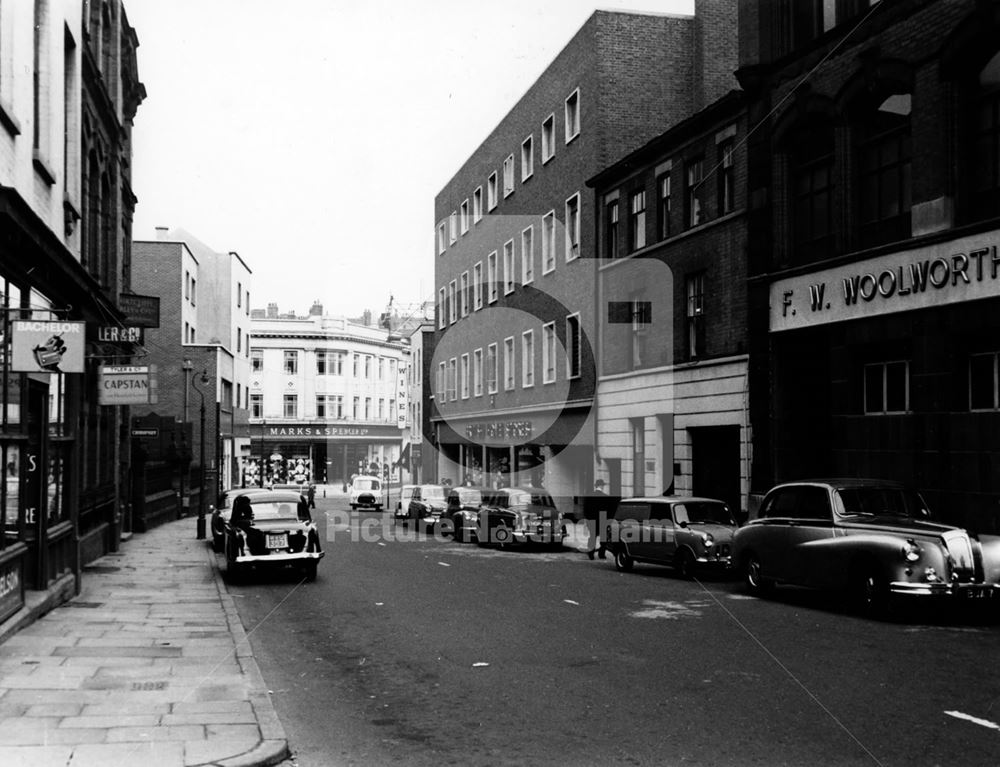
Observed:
{"x":426,"y":652}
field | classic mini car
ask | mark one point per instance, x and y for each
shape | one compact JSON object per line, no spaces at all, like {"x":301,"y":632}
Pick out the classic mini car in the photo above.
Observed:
{"x":276,"y":530}
{"x":403,"y":504}
{"x":683,"y":533}
{"x":519,"y":515}
{"x":462,"y":512}
{"x":221,"y":510}
{"x":869,"y":538}
{"x":427,"y":504}
{"x":366,"y":491}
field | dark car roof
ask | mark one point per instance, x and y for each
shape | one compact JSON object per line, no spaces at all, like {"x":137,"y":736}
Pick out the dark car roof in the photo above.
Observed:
{"x":843,"y":483}
{"x":529,"y":490}
{"x":672,"y":499}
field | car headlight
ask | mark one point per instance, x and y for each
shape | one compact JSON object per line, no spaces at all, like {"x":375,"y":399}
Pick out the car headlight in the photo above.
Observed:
{"x":708,"y":540}
{"x":910,"y":550}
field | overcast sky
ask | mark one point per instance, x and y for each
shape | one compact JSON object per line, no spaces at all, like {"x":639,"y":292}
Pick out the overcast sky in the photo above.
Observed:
{"x":311,"y":136}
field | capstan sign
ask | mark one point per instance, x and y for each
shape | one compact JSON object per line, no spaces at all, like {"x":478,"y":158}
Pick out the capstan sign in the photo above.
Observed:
{"x":962,"y":270}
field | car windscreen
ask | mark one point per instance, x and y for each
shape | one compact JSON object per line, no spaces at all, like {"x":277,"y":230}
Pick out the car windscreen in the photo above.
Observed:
{"x":275,"y":510}
{"x":881,"y":502}
{"x":704,"y":512}
{"x":433,"y":493}
{"x":522,"y":498}
{"x":365,"y":484}
{"x":469,"y":497}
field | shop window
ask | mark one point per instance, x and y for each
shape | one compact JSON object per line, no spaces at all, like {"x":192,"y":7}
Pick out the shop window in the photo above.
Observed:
{"x":887,"y":387}
{"x":637,"y":220}
{"x":983,"y":391}
{"x":695,"y":315}
{"x":291,"y":362}
{"x":985,"y":145}
{"x":812,"y":191}
{"x":611,"y":216}
{"x":883,"y":161}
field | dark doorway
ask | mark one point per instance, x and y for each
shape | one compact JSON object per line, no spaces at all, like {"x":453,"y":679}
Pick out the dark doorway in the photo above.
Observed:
{"x":715,"y":459}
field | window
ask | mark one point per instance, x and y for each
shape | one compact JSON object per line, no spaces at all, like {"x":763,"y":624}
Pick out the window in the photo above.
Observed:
{"x":337,"y":405}
{"x":527,"y":159}
{"x":464,"y":294}
{"x":573,"y":227}
{"x":477,"y":286}
{"x":528,"y":359}
{"x":291,"y":405}
{"x":663,"y":206}
{"x":726,"y":187}
{"x":491,"y":277}
{"x":187,"y":286}
{"x":477,"y":373}
{"x":884,"y":152}
{"x":256,"y":360}
{"x":508,"y":176}
{"x":573,"y":346}
{"x":452,"y":383}
{"x":239,"y":294}
{"x":321,"y":406}
{"x":637,"y":220}
{"x":368,"y":408}
{"x":811,"y":166}
{"x":336,"y":366}
{"x":548,"y":138}
{"x":549,"y":352}
{"x":508,"y":363}
{"x":887,"y":388}
{"x":491,"y":369}
{"x":381,"y":409}
{"x":441,"y":242}
{"x":321,"y":362}
{"x":611,"y":229}
{"x":463,"y":376}
{"x":463,"y":217}
{"x":641,"y":311}
{"x":442,"y":314}
{"x":248,"y":304}
{"x":491,"y":191}
{"x":985,"y":144}
{"x":239,"y":339}
{"x":983,"y":381}
{"x":357,"y":362}
{"x":695,"y":337}
{"x":528,"y":255}
{"x":256,"y":405}
{"x":442,"y":387}
{"x":573,"y":115}
{"x":452,"y":302}
{"x":477,"y":205}
{"x":508,"y":267}
{"x":381,"y":368}
{"x":292,"y":361}
{"x":452,"y":227}
{"x":638,"y":428}
{"x":694,"y":192}
{"x":549,"y":242}
{"x":368,"y":366}
{"x":194,"y":291}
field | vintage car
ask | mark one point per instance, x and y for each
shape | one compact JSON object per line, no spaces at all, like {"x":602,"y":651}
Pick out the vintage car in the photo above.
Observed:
{"x":403,"y":504}
{"x":221,"y":510}
{"x":462,"y":512}
{"x":427,"y":505}
{"x":869,"y":538}
{"x":277,"y":531}
{"x":519,"y":515}
{"x":684,"y":533}
{"x":366,"y":491}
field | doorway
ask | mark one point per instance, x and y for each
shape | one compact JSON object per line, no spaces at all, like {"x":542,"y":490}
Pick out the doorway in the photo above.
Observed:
{"x":715,"y":464}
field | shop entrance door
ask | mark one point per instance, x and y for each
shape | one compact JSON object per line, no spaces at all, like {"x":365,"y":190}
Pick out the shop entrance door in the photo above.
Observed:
{"x":715,"y":459}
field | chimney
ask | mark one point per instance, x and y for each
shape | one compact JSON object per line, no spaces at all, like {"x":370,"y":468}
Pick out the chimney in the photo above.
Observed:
{"x":161,"y":232}
{"x":316,"y":310}
{"x":272,"y":311}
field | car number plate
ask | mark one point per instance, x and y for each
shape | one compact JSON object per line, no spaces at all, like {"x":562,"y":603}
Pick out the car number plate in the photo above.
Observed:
{"x":977,"y":592}
{"x":279,"y":541}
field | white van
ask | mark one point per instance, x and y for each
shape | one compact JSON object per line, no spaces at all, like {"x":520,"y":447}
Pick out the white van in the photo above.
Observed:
{"x":366,"y":491}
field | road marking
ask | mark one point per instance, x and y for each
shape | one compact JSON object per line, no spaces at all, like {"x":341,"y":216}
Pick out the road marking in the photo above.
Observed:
{"x":668,"y":610}
{"x":975,"y":720}
{"x":380,"y":543}
{"x":444,"y":564}
{"x":570,"y":602}
{"x":480,"y":665}
{"x":379,"y":604}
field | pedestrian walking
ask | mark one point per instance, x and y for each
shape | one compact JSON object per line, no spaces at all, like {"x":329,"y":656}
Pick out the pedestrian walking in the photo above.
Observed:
{"x":311,"y":495}
{"x":595,"y":512}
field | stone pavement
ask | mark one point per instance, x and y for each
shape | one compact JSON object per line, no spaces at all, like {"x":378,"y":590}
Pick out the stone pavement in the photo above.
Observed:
{"x":148,"y":666}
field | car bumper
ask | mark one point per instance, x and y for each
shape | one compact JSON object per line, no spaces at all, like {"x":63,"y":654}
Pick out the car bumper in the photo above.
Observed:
{"x":280,"y":558}
{"x":715,"y":563}
{"x":959,"y":590}
{"x":541,"y":535}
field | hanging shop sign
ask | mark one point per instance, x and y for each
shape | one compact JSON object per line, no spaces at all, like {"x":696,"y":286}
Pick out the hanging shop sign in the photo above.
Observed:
{"x":126,"y":385}
{"x":327,"y":430}
{"x":143,"y":311}
{"x":402,"y":397}
{"x":47,"y":346}
{"x":11,"y":588}
{"x":966,"y":269}
{"x":118,"y":334}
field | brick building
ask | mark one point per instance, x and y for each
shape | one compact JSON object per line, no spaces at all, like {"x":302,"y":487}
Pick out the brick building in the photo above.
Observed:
{"x":513,"y":366}
{"x":672,"y":386}
{"x":874,"y":267}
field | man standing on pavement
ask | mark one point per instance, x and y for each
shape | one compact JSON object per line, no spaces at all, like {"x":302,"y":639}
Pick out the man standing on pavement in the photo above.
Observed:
{"x":595,"y":511}
{"x":311,"y":495}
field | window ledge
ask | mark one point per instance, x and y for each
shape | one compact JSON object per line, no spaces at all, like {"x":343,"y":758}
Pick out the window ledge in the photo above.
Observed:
{"x":7,"y":119}
{"x":42,"y":168}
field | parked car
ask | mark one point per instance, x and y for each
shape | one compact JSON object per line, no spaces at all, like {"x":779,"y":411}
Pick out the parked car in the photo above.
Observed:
{"x":275,"y":530}
{"x":403,"y":504}
{"x":519,"y":515}
{"x":869,"y":538}
{"x":427,"y":504}
{"x":683,"y":533}
{"x":462,"y":512}
{"x":221,"y":510}
{"x":366,"y":491}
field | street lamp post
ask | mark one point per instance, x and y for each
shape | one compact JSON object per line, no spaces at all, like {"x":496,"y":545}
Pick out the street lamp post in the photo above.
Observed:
{"x":186,"y":366}
{"x":201,"y":471}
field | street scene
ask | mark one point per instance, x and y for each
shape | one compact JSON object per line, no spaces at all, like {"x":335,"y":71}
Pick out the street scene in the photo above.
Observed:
{"x":431,"y":383}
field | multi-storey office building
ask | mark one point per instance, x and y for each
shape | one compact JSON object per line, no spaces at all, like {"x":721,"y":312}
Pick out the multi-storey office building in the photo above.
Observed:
{"x":672,"y":386}
{"x":324,"y":395}
{"x":514,"y":375}
{"x":68,"y":93}
{"x":874,"y":265}
{"x":204,"y":299}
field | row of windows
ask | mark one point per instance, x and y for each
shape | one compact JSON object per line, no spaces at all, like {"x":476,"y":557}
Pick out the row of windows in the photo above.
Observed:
{"x":694,"y":204}
{"x":467,"y":375}
{"x":459,"y":222}
{"x":332,"y":363}
{"x":887,"y":385}
{"x":331,"y":406}
{"x":467,"y":293}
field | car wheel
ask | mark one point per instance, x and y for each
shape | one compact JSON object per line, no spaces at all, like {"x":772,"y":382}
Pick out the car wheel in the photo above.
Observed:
{"x":623,"y":560}
{"x":502,"y":536}
{"x":870,"y":590}
{"x":756,"y":583}
{"x":684,"y":564}
{"x":309,"y":571}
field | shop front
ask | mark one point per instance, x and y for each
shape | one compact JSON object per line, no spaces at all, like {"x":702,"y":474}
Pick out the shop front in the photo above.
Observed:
{"x":888,"y":368}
